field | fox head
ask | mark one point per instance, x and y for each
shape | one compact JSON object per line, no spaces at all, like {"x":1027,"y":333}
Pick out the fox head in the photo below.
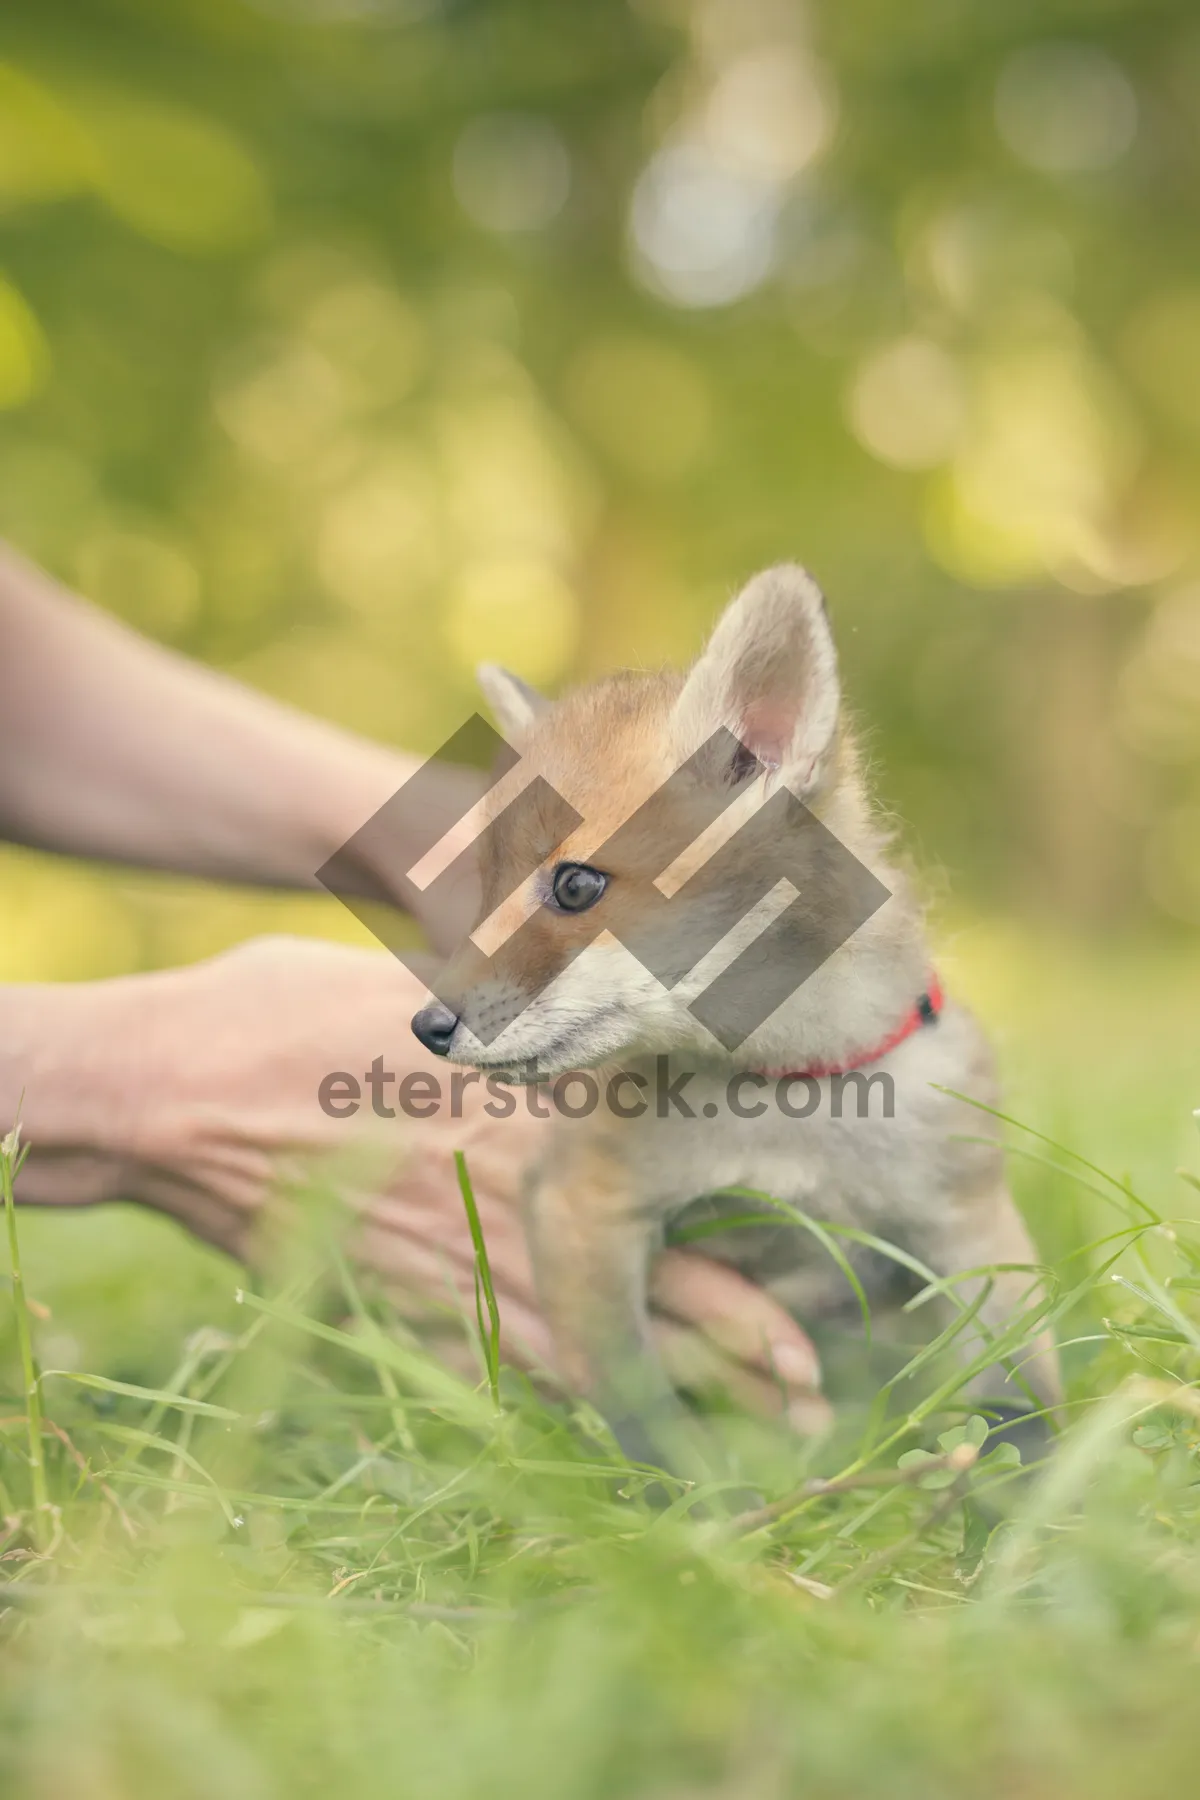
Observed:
{"x":666,"y":838}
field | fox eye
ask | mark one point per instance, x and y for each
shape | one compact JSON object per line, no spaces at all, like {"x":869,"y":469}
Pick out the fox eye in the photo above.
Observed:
{"x":576,"y":887}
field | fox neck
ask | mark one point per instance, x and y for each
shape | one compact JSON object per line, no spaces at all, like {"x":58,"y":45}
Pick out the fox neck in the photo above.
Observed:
{"x":853,"y":1001}
{"x":858,"y":996}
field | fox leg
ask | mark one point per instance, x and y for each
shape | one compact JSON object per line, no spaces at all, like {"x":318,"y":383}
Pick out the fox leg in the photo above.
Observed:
{"x":590,"y":1240}
{"x":985,"y":1231}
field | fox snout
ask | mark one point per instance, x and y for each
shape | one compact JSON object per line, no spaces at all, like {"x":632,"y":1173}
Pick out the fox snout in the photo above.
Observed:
{"x":434,"y":1026}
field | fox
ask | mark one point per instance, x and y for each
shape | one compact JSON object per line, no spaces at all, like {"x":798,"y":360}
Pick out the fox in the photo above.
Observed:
{"x":642,"y":878}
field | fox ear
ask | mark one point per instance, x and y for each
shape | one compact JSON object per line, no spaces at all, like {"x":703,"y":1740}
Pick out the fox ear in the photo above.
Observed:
{"x":769,"y":675}
{"x":515,"y":705}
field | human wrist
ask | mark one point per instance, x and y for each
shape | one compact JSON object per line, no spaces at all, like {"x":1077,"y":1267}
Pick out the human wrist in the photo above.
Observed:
{"x":376,"y":846}
{"x":350,"y":780}
{"x":69,"y":1068}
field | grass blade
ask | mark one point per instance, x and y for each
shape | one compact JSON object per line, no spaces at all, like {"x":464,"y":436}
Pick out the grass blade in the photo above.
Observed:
{"x":107,"y":1385}
{"x":11,"y":1158}
{"x":489,"y":1333}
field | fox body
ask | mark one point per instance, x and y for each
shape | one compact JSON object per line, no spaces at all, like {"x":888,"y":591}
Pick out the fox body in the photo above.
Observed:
{"x":679,"y":770}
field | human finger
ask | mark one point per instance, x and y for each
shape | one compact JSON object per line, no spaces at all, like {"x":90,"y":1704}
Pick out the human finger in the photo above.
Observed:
{"x":741,"y":1318}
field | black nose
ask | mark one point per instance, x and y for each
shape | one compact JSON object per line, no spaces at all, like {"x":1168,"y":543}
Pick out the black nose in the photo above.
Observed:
{"x":435,"y":1025}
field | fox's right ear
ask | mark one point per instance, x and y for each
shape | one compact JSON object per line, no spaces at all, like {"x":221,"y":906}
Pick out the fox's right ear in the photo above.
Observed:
{"x":515,"y":705}
{"x":770,"y":676}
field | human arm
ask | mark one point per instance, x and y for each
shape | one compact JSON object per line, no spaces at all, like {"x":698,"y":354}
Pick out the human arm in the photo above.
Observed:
{"x":114,"y":747}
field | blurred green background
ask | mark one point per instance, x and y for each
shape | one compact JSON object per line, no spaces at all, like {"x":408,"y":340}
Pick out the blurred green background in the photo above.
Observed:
{"x":346,"y":342}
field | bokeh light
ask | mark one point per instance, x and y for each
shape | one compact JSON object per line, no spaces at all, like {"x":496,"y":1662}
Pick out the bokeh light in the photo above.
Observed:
{"x":521,"y":613}
{"x":24,"y":352}
{"x":1158,"y":710}
{"x":44,"y":151}
{"x":177,"y":177}
{"x":769,"y":113}
{"x":1031,"y":489}
{"x":511,"y":172}
{"x":378,"y":540}
{"x":144,"y":575}
{"x":907,"y":404}
{"x":1162,"y":347}
{"x":1066,"y":108}
{"x":702,"y":233}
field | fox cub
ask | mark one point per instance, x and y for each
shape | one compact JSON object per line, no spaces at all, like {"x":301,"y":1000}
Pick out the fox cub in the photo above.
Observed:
{"x":700,"y":904}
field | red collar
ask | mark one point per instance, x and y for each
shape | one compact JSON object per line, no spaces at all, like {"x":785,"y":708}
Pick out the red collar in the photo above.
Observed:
{"x":925,"y":1012}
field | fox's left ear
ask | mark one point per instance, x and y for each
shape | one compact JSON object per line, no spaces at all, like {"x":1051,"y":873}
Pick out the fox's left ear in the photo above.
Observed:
{"x":769,"y":675}
{"x":515,"y":705}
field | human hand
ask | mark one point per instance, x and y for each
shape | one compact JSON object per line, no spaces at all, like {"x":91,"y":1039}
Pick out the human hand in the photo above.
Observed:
{"x":194,"y":1088}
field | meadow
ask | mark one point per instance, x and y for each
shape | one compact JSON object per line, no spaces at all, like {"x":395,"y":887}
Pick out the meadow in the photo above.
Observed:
{"x":283,"y":1552}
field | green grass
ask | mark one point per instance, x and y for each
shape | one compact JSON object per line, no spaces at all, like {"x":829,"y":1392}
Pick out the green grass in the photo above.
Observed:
{"x":286,"y":1554}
